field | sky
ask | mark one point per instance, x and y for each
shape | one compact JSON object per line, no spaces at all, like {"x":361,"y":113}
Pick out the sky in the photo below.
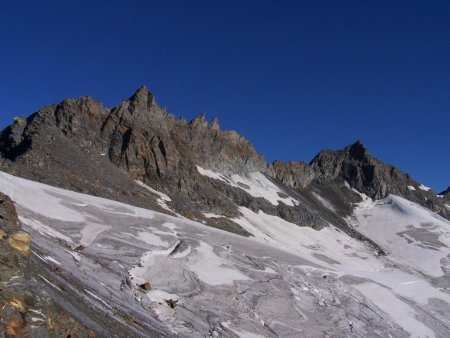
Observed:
{"x":294,"y":77}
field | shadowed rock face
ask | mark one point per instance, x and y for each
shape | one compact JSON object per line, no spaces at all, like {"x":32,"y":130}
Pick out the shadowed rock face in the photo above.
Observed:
{"x":445,"y":194}
{"x":362,"y":171}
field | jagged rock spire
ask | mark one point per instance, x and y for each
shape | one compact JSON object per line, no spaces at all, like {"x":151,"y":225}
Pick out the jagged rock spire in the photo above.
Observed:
{"x":142,"y":99}
{"x":357,"y":150}
{"x":215,"y":124}
{"x":199,"y":121}
{"x":445,"y":192}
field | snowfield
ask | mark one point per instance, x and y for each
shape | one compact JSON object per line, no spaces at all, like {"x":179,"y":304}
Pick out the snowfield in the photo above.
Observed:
{"x":150,"y":271}
{"x":256,"y":184}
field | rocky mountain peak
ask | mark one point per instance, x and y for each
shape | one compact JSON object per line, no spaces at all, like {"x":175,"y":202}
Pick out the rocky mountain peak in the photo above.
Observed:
{"x":446,"y":191}
{"x":137,"y":136}
{"x":84,"y":105}
{"x":445,"y":194}
{"x":199,"y":121}
{"x":357,"y":151}
{"x":142,"y":99}
{"x":215,"y":124}
{"x":364,"y":172}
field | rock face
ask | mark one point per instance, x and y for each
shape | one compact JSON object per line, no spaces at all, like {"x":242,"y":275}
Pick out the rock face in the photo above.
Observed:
{"x":146,"y":141}
{"x":26,"y":309}
{"x":363,"y":172}
{"x":297,"y":175}
{"x":82,"y":146}
{"x":445,"y":194}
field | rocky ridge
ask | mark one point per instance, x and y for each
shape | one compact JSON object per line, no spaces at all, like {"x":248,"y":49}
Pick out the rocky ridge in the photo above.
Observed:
{"x":66,"y":144}
{"x":445,"y":194}
{"x":362,"y":171}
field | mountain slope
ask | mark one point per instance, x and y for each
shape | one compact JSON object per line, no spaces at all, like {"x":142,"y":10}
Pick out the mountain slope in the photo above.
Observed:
{"x":146,"y":272}
{"x":82,"y":146}
{"x":343,"y":246}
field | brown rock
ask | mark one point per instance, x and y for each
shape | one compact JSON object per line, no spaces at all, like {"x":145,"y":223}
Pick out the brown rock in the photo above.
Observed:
{"x":20,"y":241}
{"x":146,"y":286}
{"x":12,"y":319}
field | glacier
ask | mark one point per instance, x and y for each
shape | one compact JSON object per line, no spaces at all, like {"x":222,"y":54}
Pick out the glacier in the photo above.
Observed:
{"x":161,"y":275}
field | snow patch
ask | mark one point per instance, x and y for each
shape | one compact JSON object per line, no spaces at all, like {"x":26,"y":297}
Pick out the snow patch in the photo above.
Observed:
{"x":50,"y":283}
{"x":97,"y":298}
{"x":91,"y":231}
{"x":212,"y":174}
{"x":422,"y":187}
{"x":255,"y":184}
{"x":211,"y":215}
{"x":399,"y":311}
{"x":44,"y":229}
{"x":324,"y":202}
{"x":240,"y":333}
{"x":207,"y":261}
{"x":163,"y":198}
{"x":51,"y":259}
{"x":408,"y":231}
{"x":159,"y":296}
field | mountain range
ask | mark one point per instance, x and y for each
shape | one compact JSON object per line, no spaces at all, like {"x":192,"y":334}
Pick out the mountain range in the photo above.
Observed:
{"x":143,"y":224}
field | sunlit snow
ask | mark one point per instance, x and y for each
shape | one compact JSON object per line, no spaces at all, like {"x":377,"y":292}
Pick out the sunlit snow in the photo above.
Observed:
{"x":286,"y":280}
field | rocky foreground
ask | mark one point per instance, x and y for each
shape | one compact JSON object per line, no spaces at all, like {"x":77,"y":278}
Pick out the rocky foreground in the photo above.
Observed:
{"x":27,"y":310}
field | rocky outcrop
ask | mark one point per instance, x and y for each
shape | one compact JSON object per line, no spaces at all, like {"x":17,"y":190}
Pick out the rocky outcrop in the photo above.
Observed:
{"x":26,"y":310}
{"x":137,"y":136}
{"x":445,"y":194}
{"x":297,"y":175}
{"x":362,"y":171}
{"x":355,"y":165}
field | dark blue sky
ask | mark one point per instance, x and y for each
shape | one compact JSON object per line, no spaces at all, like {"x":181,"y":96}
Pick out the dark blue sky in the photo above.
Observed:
{"x":294,"y":77}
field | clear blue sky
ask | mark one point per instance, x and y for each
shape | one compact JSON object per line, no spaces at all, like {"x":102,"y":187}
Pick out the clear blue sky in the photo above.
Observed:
{"x":294,"y":77}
